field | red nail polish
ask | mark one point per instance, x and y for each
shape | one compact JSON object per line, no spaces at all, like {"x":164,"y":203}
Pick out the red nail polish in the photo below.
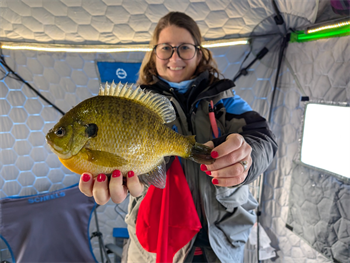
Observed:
{"x":131,"y":174}
{"x":203,"y":167}
{"x":101,"y":178}
{"x":215,"y":181}
{"x":86,"y":177}
{"x":208,"y":172}
{"x":214,"y":154}
{"x":116,"y":173}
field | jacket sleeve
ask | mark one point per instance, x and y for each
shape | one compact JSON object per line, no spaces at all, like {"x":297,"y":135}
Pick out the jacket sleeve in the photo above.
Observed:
{"x":257,"y":134}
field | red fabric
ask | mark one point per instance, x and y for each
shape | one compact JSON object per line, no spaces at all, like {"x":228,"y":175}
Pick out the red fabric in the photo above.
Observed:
{"x":167,"y":219}
{"x":198,"y":251}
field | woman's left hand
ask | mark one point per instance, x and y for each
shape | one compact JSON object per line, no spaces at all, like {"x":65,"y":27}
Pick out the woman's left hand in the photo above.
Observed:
{"x":232,"y":163}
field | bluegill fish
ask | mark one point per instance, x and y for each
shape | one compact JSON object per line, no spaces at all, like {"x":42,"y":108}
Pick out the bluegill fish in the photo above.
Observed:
{"x":122,"y":128}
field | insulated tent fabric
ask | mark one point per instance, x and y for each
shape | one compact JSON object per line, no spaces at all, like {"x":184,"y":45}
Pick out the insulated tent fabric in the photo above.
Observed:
{"x":105,"y":22}
{"x":26,"y":165}
{"x":319,"y":211}
{"x":319,"y":200}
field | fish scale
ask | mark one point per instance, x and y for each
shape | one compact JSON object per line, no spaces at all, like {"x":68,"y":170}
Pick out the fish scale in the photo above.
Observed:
{"x":136,"y":127}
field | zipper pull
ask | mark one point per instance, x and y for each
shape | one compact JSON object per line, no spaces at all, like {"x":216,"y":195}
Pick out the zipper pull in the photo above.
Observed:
{"x":212,"y":119}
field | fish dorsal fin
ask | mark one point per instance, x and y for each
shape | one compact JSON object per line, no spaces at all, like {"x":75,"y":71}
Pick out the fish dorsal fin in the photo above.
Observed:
{"x":155,"y":102}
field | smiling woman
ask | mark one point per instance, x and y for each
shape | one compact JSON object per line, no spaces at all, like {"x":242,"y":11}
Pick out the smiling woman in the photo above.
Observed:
{"x":174,"y":68}
{"x":175,"y":33}
{"x":198,"y":209}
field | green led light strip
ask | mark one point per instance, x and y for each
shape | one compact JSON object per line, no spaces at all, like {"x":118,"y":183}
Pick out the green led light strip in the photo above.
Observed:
{"x":300,"y":36}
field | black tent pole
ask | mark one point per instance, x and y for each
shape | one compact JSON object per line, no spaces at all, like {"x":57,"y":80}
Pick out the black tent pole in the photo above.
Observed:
{"x":18,"y":77}
{"x":279,"y":21}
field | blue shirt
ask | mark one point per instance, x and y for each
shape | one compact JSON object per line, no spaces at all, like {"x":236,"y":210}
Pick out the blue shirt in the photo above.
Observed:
{"x":235,"y":105}
{"x":181,"y":87}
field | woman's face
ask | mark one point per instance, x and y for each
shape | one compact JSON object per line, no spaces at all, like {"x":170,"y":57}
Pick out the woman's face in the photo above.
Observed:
{"x":175,"y":69}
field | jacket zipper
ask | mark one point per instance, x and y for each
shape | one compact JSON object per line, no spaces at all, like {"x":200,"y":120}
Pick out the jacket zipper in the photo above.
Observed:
{"x":190,"y":109}
{"x":189,"y":113}
{"x":177,"y":98}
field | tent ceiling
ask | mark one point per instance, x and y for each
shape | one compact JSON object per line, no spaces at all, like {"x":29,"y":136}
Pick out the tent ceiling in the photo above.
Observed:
{"x":117,"y":22}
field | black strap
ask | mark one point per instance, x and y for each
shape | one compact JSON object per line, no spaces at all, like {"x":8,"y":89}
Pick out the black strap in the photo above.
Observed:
{"x":278,"y":17}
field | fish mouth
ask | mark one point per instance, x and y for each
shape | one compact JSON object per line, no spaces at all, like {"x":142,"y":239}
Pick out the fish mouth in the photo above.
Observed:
{"x":57,"y":150}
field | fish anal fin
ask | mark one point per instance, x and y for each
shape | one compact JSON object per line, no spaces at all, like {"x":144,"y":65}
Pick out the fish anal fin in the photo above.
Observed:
{"x":153,"y":101}
{"x":104,"y":158}
{"x":156,"y":177}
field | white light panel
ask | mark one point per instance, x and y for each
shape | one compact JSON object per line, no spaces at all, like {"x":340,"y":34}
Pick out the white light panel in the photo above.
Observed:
{"x":326,"y":138}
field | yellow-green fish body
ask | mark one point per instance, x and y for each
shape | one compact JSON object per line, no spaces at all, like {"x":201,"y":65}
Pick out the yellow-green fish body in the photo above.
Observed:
{"x":122,"y":128}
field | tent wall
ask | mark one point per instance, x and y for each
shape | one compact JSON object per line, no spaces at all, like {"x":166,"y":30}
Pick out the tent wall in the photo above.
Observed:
{"x":119,"y":22}
{"x":322,"y":68}
{"x":27,"y":166}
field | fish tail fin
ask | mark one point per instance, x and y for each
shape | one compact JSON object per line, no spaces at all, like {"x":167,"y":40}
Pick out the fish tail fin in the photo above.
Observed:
{"x":200,"y":153}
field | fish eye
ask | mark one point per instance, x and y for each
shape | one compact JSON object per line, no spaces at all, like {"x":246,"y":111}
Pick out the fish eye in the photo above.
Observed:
{"x":91,"y":130}
{"x":60,"y":132}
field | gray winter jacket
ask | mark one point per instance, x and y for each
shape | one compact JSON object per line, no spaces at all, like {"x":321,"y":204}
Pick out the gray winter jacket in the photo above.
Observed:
{"x":227,"y":214}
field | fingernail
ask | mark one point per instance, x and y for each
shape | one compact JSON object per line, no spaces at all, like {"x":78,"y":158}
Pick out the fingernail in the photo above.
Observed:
{"x":208,"y":172}
{"x":86,"y":177}
{"x":116,"y":173}
{"x":214,"y":154}
{"x":203,"y":167}
{"x":101,"y":178}
{"x":131,"y":174}
{"x":215,"y":181}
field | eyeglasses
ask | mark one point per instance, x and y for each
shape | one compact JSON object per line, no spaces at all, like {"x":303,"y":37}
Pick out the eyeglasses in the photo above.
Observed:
{"x":166,"y":51}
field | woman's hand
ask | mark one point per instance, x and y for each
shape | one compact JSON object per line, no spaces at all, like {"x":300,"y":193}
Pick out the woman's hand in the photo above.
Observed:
{"x":232,"y":163}
{"x":102,"y":189}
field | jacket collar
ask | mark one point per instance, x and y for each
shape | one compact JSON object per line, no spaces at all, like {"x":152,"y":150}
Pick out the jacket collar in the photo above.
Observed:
{"x":161,"y":85}
{"x":201,"y":91}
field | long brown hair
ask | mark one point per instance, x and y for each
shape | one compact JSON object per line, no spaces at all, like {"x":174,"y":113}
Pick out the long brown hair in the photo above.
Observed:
{"x":148,"y":66}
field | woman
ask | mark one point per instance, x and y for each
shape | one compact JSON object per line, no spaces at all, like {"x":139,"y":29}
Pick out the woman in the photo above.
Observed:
{"x":181,"y":69}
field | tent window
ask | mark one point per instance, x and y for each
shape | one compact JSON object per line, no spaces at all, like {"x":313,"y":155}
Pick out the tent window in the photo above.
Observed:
{"x":326,"y":138}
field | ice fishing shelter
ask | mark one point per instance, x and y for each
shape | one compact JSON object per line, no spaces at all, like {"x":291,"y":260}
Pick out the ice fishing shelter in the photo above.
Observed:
{"x":290,"y":75}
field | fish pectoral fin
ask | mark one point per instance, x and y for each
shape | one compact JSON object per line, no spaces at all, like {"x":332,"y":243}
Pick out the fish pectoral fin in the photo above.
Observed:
{"x":104,"y":158}
{"x":156,"y":177}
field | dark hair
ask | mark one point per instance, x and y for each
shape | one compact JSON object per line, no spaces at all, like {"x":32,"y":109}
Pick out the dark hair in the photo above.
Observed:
{"x":148,"y":66}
